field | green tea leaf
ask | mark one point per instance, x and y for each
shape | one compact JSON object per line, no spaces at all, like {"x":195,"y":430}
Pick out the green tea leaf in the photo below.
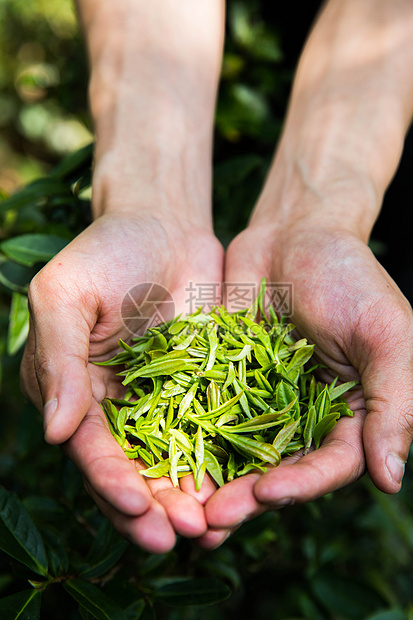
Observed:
{"x":243,"y":399}
{"x":322,"y":428}
{"x":265,"y":420}
{"x":222,"y":408}
{"x":213,"y":396}
{"x":213,"y":345}
{"x":181,"y":439}
{"x":284,"y":395}
{"x":309,"y":429}
{"x":261,"y":355}
{"x":301,"y":357}
{"x":322,"y":404}
{"x":237,"y":357}
{"x":199,"y":447}
{"x":285,"y":435}
{"x":157,"y":471}
{"x":168,"y":367}
{"x":187,"y":400}
{"x":335,"y":392}
{"x":173,"y":461}
{"x":263,"y":451}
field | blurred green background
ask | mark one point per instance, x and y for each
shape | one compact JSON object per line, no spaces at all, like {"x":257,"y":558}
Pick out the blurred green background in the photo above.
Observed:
{"x":346,"y":556}
{"x":43,"y":113}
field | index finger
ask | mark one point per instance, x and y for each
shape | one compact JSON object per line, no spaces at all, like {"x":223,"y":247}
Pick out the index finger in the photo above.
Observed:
{"x":339,"y":461}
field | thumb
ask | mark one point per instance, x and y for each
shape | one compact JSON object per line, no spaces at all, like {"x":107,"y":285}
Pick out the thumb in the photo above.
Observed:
{"x":244,"y":270}
{"x":61,"y":351}
{"x":388,"y":389}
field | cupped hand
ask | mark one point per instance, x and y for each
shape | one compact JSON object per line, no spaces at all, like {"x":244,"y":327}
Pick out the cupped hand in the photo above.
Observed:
{"x":76,"y":320}
{"x":362,"y":327}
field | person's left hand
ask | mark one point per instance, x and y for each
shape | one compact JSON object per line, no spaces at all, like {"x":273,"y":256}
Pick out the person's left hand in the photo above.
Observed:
{"x":362,"y":327}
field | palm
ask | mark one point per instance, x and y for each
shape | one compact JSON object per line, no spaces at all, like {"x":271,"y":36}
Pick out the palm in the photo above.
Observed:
{"x":137,"y":252}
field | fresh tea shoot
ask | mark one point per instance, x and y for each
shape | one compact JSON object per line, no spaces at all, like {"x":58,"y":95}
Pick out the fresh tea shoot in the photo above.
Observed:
{"x":226,"y":393}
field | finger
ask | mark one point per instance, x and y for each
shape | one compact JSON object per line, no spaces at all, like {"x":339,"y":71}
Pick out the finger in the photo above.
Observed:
{"x":338,"y":462}
{"x":28,"y":380}
{"x":106,"y":468}
{"x":185,"y":513}
{"x":151,"y":531}
{"x":60,"y":360}
{"x":388,"y":389}
{"x":234,"y":503}
{"x":208,"y":488}
{"x":213,"y":538}
{"x":243,"y":264}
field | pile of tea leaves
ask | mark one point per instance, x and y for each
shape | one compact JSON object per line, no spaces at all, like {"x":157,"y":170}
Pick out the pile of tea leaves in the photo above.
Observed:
{"x":221,"y":392}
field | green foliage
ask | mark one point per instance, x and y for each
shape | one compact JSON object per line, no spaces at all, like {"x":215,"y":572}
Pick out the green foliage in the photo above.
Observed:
{"x":347,"y":556}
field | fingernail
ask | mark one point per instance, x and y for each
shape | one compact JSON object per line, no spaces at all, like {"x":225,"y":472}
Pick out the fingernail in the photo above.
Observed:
{"x":48,"y":412}
{"x":395,"y":465}
{"x":282,"y":503}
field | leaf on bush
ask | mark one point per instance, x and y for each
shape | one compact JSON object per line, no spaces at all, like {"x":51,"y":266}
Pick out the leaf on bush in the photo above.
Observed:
{"x":338,"y":593}
{"x":32,"y":248}
{"x":24,"y":605}
{"x":95,"y":601}
{"x":15,"y":277}
{"x":35,"y":192}
{"x":19,"y":537}
{"x":234,"y":171}
{"x":56,"y":553}
{"x":74,"y":164}
{"x":134,"y":611}
{"x":18,"y":323}
{"x":193,"y":592}
{"x":106,"y":550}
{"x":389,"y":614}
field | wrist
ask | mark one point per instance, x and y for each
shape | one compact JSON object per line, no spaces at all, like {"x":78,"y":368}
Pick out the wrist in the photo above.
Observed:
{"x":154,"y":75}
{"x":349,"y":112}
{"x":344,"y":199}
{"x":153,"y":183}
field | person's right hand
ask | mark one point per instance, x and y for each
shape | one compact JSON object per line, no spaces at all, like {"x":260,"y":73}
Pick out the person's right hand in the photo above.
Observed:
{"x":75,"y":306}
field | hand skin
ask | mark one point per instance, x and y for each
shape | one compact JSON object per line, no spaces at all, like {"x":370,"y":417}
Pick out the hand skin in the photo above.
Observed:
{"x":351,"y":106}
{"x":154,"y":75}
